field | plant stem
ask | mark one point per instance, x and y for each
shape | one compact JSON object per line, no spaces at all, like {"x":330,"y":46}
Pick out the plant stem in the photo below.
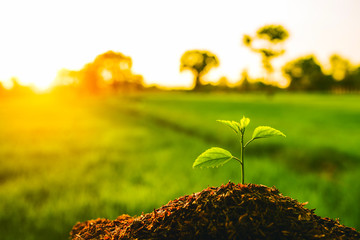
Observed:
{"x":242,"y":158}
{"x":249,"y":142}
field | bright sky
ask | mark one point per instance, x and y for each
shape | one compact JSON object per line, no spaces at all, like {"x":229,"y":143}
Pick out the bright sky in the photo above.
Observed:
{"x":38,"y":38}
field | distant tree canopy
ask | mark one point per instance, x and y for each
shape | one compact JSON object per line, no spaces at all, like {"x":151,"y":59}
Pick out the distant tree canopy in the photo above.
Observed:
{"x":346,"y":76}
{"x":244,"y":84}
{"x":266,"y":42}
{"x":305,"y":74}
{"x":110,"y":70}
{"x":340,"y":67}
{"x":273,"y":33}
{"x":199,"y":62}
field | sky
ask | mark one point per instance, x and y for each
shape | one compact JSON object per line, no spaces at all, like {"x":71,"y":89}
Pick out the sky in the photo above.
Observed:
{"x":38,"y":38}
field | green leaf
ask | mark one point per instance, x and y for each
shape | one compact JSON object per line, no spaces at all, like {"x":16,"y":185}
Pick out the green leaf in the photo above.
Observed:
{"x":213,"y":157}
{"x":244,"y":122}
{"x":232,"y":124}
{"x":265,"y":131}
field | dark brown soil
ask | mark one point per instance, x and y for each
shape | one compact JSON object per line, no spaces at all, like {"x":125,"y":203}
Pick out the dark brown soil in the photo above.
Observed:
{"x":228,"y":212}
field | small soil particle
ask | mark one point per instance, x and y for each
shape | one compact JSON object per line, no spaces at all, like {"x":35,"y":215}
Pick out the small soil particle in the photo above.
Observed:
{"x":232,"y":211}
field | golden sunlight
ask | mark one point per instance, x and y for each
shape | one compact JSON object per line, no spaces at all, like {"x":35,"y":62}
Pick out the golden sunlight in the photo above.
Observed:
{"x":42,"y":42}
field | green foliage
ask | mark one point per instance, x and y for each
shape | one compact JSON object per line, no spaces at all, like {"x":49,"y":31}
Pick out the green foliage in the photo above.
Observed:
{"x":305,"y":73}
{"x":244,"y":122}
{"x":265,"y":131}
{"x":107,"y":157}
{"x":238,"y":127}
{"x":215,"y":157}
{"x":232,"y":124}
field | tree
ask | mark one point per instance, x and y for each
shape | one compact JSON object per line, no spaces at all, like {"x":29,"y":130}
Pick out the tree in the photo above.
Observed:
{"x":199,"y":62}
{"x":109,"y":70}
{"x":340,"y":67}
{"x":267,"y":42}
{"x":355,"y":77}
{"x":223,"y":83}
{"x":305,"y":74}
{"x":89,"y":80}
{"x":346,"y":76}
{"x":66,"y":77}
{"x":115,"y":68}
{"x":244,"y":85}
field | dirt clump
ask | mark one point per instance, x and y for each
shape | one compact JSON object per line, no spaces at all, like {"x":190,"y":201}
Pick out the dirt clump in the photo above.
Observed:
{"x":232,"y":211}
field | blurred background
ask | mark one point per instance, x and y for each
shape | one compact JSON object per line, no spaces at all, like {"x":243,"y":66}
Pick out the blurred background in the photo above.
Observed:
{"x":105,"y":106}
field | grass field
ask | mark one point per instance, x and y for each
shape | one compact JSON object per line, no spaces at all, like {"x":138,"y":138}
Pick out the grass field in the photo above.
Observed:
{"x":69,"y":160}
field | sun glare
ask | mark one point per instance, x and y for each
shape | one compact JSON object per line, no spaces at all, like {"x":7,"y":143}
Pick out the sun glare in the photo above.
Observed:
{"x":41,"y":85}
{"x":34,"y":50}
{"x":40,"y":80}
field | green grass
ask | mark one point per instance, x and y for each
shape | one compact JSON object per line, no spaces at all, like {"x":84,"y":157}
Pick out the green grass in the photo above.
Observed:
{"x":63,"y":161}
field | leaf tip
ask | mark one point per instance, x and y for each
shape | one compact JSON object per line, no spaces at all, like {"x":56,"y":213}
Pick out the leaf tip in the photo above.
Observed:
{"x":244,"y":122}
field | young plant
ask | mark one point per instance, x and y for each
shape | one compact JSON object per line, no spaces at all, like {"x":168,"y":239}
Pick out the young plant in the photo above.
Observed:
{"x":215,"y":156}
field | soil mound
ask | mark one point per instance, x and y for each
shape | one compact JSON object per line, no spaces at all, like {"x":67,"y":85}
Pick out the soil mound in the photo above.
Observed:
{"x":232,"y":211}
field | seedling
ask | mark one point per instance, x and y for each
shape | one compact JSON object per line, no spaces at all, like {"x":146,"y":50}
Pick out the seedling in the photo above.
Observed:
{"x":215,"y":156}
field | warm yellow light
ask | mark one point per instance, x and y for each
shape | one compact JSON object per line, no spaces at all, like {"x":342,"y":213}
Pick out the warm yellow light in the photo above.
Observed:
{"x":40,"y":80}
{"x":61,"y":34}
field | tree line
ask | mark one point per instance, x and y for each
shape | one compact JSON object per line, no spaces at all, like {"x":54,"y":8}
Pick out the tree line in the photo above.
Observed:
{"x":111,"y":71}
{"x":304,"y":73}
